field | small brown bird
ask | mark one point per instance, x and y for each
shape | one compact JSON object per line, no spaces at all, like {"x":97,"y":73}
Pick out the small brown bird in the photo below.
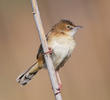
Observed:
{"x":61,"y":43}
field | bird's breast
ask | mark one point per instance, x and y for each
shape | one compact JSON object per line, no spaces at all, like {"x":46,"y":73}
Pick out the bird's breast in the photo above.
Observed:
{"x":62,"y":47}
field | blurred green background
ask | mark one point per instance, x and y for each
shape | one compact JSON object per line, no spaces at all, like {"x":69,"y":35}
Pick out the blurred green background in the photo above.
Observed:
{"x":86,"y":76}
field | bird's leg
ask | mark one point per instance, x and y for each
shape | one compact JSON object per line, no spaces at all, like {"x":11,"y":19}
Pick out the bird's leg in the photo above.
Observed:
{"x":59,"y":81}
{"x":49,"y":51}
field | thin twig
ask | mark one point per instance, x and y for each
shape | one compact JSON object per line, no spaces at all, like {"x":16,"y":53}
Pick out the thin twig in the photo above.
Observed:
{"x":48,"y":60}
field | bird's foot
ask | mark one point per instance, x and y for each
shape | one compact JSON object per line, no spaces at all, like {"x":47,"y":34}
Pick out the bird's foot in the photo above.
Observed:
{"x":59,"y":89}
{"x":49,"y":51}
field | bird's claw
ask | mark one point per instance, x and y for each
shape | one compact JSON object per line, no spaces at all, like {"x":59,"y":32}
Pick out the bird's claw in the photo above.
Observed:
{"x":59,"y":89}
{"x":49,"y":51}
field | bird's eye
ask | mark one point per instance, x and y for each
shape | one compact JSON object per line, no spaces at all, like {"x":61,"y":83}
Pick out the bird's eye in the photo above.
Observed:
{"x":69,"y":27}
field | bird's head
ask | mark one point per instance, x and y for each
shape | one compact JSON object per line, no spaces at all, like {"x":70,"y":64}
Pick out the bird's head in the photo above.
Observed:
{"x":66,"y":27}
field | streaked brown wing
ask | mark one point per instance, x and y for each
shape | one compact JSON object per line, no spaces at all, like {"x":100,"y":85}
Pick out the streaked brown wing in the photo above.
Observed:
{"x":40,"y":51}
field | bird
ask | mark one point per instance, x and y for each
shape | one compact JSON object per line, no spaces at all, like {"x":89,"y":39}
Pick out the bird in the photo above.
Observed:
{"x":61,"y":43}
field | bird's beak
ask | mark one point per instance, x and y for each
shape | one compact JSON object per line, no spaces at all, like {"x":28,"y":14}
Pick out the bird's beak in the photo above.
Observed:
{"x":75,"y":29}
{"x":78,"y":27}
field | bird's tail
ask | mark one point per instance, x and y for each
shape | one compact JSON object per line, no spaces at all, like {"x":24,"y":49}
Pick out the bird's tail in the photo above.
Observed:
{"x":25,"y":77}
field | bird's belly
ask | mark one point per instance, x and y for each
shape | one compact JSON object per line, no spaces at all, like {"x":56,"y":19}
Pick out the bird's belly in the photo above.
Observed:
{"x":61,"y":51}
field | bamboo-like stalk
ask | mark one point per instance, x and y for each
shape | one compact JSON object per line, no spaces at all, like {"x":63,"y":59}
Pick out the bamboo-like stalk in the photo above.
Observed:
{"x":48,"y":60}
